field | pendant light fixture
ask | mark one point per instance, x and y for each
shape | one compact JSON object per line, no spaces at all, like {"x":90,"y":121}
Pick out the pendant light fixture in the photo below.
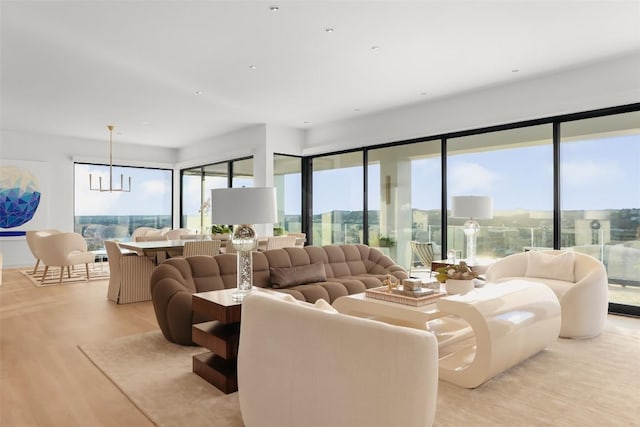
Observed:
{"x":110,"y":188}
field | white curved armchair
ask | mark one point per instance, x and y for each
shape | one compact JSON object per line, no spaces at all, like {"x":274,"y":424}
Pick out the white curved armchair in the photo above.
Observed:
{"x":33,"y":241}
{"x":179,"y":233}
{"x":64,"y":250}
{"x":583,"y":300}
{"x":148,"y":232}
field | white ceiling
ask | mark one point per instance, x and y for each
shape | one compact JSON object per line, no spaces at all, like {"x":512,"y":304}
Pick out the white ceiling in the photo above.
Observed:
{"x":72,"y":67}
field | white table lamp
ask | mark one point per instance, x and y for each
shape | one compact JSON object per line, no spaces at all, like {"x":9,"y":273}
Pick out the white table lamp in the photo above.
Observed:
{"x":472,"y":207}
{"x":244,"y":207}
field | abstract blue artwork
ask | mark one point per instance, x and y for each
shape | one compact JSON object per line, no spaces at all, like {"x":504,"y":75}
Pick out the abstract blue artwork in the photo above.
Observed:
{"x":19,"y":198}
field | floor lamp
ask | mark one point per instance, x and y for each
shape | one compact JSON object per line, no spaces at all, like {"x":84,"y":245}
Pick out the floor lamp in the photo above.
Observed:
{"x":472,"y":207}
{"x":244,"y":207}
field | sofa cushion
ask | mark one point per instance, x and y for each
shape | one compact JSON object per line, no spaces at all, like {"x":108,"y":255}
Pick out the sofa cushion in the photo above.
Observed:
{"x":284,"y":277}
{"x":319,"y":304}
{"x":311,"y":292}
{"x":324,"y":306}
{"x":550,"y":266}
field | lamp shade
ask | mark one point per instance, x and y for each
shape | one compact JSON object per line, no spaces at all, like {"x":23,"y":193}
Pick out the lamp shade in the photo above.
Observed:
{"x":476,"y":207}
{"x":247,"y":205}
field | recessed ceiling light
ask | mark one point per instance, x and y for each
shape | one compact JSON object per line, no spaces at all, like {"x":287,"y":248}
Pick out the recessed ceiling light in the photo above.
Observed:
{"x":145,"y":123}
{"x":252,"y":67}
{"x":199,"y":92}
{"x":274,"y":8}
{"x":356,"y":109}
{"x":328,"y":30}
{"x":375,"y":47}
{"x":515,"y":70}
{"x":306,"y":123}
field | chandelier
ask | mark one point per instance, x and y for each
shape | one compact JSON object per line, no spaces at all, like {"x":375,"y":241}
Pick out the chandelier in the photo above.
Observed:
{"x":110,"y":188}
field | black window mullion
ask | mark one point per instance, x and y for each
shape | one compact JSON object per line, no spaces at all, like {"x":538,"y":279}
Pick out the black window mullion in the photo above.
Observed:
{"x":365,"y":201}
{"x":557,"y":221}
{"x":307,"y":200}
{"x":443,"y":201}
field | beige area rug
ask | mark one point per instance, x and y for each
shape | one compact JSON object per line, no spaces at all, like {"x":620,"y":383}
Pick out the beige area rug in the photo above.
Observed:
{"x":97,"y":271}
{"x":572,"y":383}
{"x":157,"y":377}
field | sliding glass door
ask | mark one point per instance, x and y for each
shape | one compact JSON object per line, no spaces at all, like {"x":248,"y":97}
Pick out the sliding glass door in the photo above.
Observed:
{"x":404,"y":193}
{"x":337,"y":199}
{"x":197,"y":184}
{"x":287,"y":178}
{"x":515,"y":168}
{"x":600,"y":197}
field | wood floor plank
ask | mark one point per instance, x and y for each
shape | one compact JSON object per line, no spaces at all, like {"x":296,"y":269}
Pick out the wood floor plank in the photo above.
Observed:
{"x":45,"y":380}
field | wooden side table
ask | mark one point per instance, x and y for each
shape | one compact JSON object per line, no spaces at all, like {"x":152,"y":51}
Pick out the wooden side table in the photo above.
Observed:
{"x":221,"y":336}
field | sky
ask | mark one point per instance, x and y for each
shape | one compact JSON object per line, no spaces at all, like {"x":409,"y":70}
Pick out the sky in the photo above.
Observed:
{"x":596,"y":174}
{"x":150,"y":191}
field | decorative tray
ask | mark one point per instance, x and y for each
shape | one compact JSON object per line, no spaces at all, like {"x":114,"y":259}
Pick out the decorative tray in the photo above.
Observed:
{"x":404,"y":297}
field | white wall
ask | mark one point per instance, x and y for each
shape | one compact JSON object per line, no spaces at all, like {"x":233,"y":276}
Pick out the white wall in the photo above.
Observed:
{"x":59,"y":154}
{"x":610,"y":83}
{"x":232,"y":145}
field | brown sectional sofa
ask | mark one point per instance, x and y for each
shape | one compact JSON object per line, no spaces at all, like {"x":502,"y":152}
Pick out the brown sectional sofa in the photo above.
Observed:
{"x":307,"y":273}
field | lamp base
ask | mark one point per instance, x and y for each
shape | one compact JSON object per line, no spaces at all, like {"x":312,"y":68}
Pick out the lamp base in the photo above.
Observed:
{"x":471,"y":229}
{"x":244,"y":241}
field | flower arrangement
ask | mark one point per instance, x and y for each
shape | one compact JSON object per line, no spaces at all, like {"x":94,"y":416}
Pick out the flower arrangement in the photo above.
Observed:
{"x":459,"y":271}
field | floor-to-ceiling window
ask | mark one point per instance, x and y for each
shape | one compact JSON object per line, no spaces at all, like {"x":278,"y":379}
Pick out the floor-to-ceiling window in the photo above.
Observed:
{"x":515,"y":168}
{"x":338,"y":199}
{"x":196,"y":194}
{"x":197,"y":183}
{"x":287,"y":178}
{"x":242,"y":173}
{"x":598,"y":209}
{"x":101,"y":215}
{"x":404,"y":198}
{"x":191,"y":199}
{"x":600,"y":197}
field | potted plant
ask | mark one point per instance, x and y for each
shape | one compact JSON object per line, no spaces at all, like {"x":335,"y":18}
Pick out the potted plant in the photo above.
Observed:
{"x":386,"y":242}
{"x":219,"y":231}
{"x":458,"y":278}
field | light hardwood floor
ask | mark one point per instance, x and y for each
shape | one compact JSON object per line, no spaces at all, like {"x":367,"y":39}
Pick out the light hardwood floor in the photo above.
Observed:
{"x":45,"y":380}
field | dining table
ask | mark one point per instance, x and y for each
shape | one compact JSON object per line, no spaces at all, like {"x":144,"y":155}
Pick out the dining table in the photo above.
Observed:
{"x":155,"y":249}
{"x":158,"y":249}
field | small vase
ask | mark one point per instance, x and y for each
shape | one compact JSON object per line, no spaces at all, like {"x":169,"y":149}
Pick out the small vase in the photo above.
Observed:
{"x":458,"y":286}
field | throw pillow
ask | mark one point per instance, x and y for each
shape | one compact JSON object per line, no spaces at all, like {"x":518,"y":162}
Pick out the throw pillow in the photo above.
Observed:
{"x":324,"y":306}
{"x":550,"y":266}
{"x":284,"y":277}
